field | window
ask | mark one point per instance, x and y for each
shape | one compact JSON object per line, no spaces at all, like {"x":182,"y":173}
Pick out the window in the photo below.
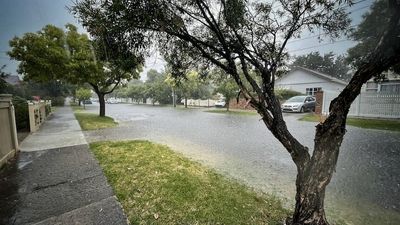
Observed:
{"x":390,"y":88}
{"x":371,"y":87}
{"x":312,"y":91}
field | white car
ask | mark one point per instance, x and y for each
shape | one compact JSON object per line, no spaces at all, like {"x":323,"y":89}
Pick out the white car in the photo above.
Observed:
{"x":220,"y":103}
{"x":112,"y":101}
{"x":299,"y":104}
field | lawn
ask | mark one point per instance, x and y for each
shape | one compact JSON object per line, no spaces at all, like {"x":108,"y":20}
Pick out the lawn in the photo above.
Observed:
{"x":155,"y":185}
{"x":233,"y":112}
{"x":91,"y":121}
{"x":379,"y":124}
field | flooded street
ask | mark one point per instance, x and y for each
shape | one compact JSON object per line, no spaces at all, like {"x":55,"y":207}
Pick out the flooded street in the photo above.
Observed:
{"x":365,"y":188}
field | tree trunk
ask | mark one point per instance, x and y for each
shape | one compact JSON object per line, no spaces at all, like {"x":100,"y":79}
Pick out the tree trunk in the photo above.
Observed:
{"x":185,"y":102}
{"x":227,"y":106}
{"x":313,"y":178}
{"x":102,"y":104}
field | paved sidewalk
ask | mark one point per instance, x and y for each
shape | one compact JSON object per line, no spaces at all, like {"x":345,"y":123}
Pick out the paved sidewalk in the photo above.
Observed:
{"x":60,"y":130}
{"x":59,"y":185}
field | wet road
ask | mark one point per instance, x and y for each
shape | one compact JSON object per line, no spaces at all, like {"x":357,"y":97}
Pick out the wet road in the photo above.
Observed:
{"x":365,"y":189}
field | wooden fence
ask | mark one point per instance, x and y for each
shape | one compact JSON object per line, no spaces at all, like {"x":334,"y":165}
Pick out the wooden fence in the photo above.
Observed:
{"x":367,"y":104}
{"x":8,"y":130}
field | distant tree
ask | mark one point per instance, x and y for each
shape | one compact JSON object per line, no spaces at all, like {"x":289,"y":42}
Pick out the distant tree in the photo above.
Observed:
{"x":52,"y":54}
{"x":156,"y":88}
{"x":83,"y":94}
{"x":328,"y":64}
{"x":225,"y":86}
{"x":253,"y":35}
{"x":136,"y":91}
{"x":3,"y":83}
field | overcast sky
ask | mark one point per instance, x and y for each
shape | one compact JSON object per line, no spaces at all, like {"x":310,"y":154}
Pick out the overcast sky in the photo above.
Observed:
{"x":20,"y":16}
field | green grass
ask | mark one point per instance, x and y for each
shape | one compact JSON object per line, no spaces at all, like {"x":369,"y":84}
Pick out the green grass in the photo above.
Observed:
{"x":378,"y":124}
{"x":233,"y":112}
{"x":155,"y":185}
{"x":91,"y":121}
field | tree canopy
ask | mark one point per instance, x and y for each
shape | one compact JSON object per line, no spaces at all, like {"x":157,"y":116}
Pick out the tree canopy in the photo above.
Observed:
{"x":335,"y":66}
{"x":54,"y":54}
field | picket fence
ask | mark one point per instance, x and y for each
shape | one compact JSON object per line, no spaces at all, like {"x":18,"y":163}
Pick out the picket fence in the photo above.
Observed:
{"x":379,"y":105}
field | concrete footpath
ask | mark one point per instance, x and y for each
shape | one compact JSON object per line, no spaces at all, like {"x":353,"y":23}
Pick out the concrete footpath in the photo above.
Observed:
{"x":56,"y":180}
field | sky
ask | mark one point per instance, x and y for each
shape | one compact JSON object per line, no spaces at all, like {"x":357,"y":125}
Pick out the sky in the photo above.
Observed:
{"x":20,"y":16}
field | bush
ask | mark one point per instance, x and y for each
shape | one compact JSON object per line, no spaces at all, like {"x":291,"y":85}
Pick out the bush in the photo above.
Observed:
{"x":56,"y":101}
{"x":284,"y":94}
{"x":21,"y":112}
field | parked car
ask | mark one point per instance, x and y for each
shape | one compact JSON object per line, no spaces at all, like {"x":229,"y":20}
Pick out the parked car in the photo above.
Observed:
{"x":299,"y":104}
{"x":87,"y":102}
{"x":112,"y":101}
{"x":220,"y":103}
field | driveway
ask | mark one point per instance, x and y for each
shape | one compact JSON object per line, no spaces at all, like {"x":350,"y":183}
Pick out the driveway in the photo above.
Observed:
{"x":366,"y":185}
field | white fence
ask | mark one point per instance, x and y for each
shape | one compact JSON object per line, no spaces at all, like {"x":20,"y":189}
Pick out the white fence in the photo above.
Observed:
{"x":367,"y":104}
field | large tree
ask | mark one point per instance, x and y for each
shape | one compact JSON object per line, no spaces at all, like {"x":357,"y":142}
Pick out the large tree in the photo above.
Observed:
{"x":53,"y":54}
{"x":252,"y":35}
{"x":335,"y":66}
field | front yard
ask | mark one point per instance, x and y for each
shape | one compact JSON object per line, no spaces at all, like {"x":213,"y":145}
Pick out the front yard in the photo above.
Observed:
{"x":158,"y":186}
{"x":378,"y":124}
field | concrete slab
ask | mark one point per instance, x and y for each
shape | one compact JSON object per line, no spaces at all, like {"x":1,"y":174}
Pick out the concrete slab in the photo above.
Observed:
{"x":50,"y":183}
{"x":59,"y":130}
{"x":93,"y":214}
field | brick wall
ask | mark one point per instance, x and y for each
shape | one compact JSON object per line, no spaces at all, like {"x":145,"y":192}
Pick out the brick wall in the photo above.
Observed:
{"x":242,"y":104}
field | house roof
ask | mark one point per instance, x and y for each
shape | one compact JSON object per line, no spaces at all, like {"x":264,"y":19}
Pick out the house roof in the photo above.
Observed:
{"x":318,"y":74}
{"x":12,"y":79}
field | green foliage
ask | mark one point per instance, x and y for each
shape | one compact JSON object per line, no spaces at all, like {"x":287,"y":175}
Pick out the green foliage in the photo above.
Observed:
{"x":368,"y":34}
{"x":137,"y":91}
{"x":155,"y":185}
{"x":156,"y":88}
{"x":330,"y":64}
{"x":284,"y":94}
{"x":21,"y":113}
{"x":83,"y":94}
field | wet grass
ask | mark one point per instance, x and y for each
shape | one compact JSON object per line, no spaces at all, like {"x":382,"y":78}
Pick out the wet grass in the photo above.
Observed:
{"x":378,"y":124}
{"x":91,"y":121}
{"x":233,"y":112}
{"x":156,"y":185}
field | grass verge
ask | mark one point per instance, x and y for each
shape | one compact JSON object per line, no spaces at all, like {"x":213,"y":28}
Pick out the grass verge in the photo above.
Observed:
{"x":155,"y":185}
{"x":233,"y":112}
{"x":378,"y":124}
{"x":91,"y":121}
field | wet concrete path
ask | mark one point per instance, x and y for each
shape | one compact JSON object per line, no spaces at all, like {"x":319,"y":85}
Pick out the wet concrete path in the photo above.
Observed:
{"x":62,"y":184}
{"x":365,"y":188}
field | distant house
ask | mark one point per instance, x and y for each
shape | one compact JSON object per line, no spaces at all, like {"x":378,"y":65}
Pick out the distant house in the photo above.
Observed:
{"x":391,"y":85}
{"x":12,"y":80}
{"x":309,"y":81}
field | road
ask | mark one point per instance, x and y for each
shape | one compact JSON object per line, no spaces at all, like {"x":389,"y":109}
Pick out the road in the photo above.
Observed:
{"x":365,"y":189}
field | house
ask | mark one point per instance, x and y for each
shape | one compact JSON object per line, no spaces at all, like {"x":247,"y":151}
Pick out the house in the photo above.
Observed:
{"x":308,"y":81}
{"x":12,"y":80}
{"x":390,"y":85}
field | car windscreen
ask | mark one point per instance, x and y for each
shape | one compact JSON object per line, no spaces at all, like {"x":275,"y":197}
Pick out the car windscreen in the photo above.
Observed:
{"x":296,"y":99}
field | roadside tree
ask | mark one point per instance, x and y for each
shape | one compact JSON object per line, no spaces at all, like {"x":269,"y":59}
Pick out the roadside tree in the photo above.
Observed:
{"x":52,"y":54}
{"x":83,"y":94}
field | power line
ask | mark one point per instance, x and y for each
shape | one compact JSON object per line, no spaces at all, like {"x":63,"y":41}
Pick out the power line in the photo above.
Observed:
{"x":316,"y":46}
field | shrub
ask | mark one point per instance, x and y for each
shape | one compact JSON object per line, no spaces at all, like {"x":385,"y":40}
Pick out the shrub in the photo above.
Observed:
{"x":284,"y":94}
{"x":21,"y":112}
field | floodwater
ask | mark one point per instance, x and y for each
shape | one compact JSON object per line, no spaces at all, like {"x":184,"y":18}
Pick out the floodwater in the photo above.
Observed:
{"x":364,"y":190}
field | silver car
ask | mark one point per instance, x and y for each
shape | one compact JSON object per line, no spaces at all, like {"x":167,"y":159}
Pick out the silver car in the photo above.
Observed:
{"x":299,"y":104}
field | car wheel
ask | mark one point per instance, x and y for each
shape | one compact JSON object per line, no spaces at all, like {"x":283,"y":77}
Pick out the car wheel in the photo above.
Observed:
{"x":302,"y":109}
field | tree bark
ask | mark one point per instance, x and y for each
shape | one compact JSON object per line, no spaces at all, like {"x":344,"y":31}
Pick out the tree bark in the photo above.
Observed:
{"x":185,"y":102}
{"x":102,"y":102}
{"x":227,"y":106}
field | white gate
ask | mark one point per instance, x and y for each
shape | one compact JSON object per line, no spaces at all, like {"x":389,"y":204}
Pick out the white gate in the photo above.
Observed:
{"x":367,"y":104}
